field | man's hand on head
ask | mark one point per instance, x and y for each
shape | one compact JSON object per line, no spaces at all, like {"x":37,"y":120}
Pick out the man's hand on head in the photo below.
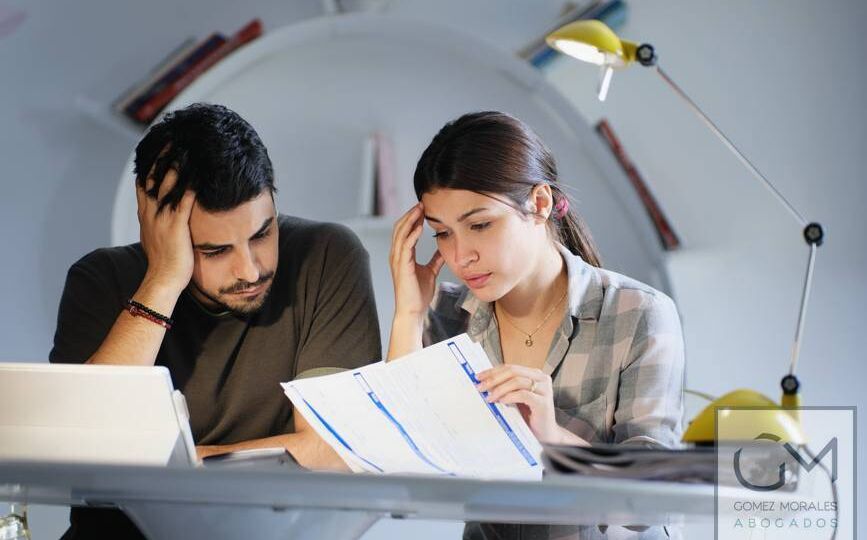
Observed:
{"x":165,"y":235}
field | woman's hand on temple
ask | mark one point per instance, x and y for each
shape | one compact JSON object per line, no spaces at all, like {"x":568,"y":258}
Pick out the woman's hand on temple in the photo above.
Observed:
{"x":414,"y":284}
{"x":531,"y":390}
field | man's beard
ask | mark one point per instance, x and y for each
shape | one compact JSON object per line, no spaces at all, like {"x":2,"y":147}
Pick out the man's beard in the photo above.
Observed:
{"x":242,"y":308}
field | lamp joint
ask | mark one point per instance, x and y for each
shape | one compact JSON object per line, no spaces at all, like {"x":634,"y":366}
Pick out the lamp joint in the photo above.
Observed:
{"x":646,"y":55}
{"x":790,"y":385}
{"x":814,"y":234}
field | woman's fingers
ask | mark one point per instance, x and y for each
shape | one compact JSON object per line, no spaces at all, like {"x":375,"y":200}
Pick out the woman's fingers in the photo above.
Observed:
{"x":528,"y":388}
{"x":408,"y":251}
{"x":400,"y":226}
{"x":399,"y":233}
{"x":509,"y":386}
{"x":497,"y":375}
{"x":435,"y":263}
{"x":523,"y":397}
{"x":399,"y":221}
{"x":406,"y":235}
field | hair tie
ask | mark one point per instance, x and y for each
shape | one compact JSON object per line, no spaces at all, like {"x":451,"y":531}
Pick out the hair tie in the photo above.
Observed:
{"x":561,"y":208}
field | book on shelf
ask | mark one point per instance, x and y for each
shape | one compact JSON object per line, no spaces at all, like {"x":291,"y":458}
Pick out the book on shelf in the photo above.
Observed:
{"x":367,"y":193}
{"x":667,"y":235}
{"x":387,"y":200}
{"x":149,"y":110}
{"x":158,"y":72}
{"x":379,"y":195}
{"x":143,"y":101}
{"x":175,"y":72}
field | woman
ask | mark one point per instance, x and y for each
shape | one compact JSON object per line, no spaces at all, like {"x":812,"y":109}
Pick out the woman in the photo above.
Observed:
{"x":587,"y":355}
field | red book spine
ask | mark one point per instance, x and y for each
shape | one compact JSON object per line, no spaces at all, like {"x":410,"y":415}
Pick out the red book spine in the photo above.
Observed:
{"x":154,"y":105}
{"x":667,"y":235}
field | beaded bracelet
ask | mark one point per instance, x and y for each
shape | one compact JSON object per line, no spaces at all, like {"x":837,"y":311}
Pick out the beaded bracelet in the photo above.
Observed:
{"x":137,"y":309}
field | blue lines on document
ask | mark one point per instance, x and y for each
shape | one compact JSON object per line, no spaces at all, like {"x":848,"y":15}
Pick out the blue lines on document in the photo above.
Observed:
{"x":375,"y":399}
{"x":337,"y":435}
{"x":468,"y":369}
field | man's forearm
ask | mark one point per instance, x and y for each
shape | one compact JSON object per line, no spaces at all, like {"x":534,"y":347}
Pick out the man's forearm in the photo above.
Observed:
{"x":137,"y":340}
{"x":308,"y":449}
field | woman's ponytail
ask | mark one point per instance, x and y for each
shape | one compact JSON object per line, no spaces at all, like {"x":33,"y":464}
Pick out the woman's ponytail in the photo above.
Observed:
{"x":571,"y":230}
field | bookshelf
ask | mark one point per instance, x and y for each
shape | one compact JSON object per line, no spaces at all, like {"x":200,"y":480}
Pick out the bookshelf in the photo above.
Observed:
{"x":317,"y":91}
{"x":141,"y":103}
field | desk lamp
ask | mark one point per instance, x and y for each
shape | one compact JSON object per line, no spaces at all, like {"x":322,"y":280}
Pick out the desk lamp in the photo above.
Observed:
{"x":594,"y":42}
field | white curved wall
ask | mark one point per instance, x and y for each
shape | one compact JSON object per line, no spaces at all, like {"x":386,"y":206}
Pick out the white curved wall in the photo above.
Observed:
{"x":315,"y":91}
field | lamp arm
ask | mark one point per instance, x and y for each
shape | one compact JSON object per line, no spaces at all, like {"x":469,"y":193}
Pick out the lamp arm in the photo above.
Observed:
{"x":805,"y":296}
{"x":731,"y":146}
{"x":813,"y":233}
{"x":790,"y":384}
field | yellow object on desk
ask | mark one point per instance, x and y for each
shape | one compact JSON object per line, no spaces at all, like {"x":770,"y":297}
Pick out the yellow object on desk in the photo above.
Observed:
{"x":770,"y":418}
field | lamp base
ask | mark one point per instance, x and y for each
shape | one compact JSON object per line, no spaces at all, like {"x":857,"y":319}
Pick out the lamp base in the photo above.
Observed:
{"x":770,"y":418}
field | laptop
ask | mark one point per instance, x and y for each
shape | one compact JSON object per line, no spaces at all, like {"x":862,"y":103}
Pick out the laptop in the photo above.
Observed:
{"x":123,"y":415}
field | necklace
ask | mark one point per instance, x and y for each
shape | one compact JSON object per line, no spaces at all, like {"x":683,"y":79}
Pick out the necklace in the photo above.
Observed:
{"x":529,"y":341}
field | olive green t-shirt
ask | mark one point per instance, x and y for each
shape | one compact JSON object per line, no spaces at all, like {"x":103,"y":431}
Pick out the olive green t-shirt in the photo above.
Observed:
{"x":320,"y":313}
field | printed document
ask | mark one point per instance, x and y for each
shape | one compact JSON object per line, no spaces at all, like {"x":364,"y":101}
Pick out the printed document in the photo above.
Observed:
{"x":420,"y":414}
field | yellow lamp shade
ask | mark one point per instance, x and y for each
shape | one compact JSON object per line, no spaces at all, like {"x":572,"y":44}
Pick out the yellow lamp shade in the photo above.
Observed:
{"x":770,"y":418}
{"x":592,"y":41}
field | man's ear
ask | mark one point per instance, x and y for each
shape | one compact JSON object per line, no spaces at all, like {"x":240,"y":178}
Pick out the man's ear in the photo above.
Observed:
{"x":541,"y":202}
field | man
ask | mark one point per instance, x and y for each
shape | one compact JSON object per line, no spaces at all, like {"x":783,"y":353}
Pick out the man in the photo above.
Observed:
{"x":228,"y":295}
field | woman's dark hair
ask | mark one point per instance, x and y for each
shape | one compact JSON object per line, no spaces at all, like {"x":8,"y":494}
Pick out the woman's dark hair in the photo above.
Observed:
{"x":215,"y":152}
{"x":494,"y":153}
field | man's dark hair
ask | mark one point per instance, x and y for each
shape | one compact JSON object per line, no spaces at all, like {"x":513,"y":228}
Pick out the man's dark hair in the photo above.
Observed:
{"x":215,"y":152}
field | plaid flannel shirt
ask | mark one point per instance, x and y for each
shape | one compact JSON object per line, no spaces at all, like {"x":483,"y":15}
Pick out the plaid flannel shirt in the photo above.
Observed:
{"x":616,"y":362}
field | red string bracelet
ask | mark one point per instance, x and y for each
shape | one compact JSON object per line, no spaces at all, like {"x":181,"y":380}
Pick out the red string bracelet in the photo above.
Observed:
{"x":137,"y":309}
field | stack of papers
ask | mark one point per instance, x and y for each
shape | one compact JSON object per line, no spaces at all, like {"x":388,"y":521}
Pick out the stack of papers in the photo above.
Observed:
{"x":612,"y":461}
{"x":420,"y":414}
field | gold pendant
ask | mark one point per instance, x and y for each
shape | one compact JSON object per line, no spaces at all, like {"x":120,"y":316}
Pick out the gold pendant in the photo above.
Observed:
{"x":529,"y":341}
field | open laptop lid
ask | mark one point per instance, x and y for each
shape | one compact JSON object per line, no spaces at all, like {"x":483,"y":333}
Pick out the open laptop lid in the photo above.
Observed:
{"x":127,"y":415}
